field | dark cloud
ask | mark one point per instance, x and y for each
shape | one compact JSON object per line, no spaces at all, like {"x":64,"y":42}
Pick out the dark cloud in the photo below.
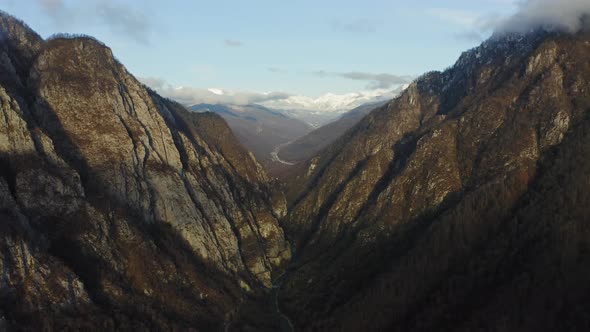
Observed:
{"x":233,"y":43}
{"x":376,"y":81}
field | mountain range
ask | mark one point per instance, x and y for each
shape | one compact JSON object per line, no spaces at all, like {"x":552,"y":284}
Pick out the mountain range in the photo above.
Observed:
{"x":460,"y":205}
{"x":329,"y":107}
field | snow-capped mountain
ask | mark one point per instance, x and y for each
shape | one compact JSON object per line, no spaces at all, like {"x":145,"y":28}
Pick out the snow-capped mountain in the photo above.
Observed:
{"x":330,"y":102}
{"x":316,"y":111}
{"x":328,"y":107}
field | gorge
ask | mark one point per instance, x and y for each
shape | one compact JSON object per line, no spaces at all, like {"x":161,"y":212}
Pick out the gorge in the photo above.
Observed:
{"x":461,"y":205}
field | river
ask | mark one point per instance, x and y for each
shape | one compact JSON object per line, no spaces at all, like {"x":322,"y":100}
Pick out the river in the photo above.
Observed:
{"x":274,"y":155}
{"x":285,"y":322}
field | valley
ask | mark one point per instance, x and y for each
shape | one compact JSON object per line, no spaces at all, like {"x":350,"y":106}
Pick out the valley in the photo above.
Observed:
{"x":275,"y":154}
{"x":461,"y":203}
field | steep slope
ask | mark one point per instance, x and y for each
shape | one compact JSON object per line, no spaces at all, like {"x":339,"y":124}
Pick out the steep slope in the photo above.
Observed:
{"x":460,"y":205}
{"x":260,"y":130}
{"x":312,"y":143}
{"x":120,"y":209}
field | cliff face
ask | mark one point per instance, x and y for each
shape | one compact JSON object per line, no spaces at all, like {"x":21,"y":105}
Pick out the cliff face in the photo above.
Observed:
{"x":119,"y":208}
{"x":458,"y":205}
{"x":461,"y":205}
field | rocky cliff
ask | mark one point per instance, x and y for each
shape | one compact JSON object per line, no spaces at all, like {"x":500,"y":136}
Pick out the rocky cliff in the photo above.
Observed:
{"x":460,"y":205}
{"x":120,"y":209}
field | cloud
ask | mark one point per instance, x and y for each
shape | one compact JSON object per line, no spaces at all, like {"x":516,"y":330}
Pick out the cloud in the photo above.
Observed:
{"x":455,"y":16}
{"x":192,"y":96}
{"x":125,"y":20}
{"x":362,"y":25}
{"x":233,"y":43}
{"x":562,"y":15}
{"x":565,"y":15}
{"x":328,"y":102}
{"x":470,"y":35}
{"x":276,"y":70}
{"x":376,"y":81}
{"x":331,"y":102}
{"x":476,"y":26}
{"x":119,"y":18}
{"x":52,"y":6}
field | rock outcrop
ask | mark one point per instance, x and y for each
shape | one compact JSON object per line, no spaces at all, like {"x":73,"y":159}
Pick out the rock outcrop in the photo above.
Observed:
{"x":121,"y":209}
{"x":460,"y":205}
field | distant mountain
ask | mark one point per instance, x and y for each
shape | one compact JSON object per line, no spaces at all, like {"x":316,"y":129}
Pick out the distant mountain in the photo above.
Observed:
{"x":308,"y":145}
{"x":329,"y":107}
{"x":258,"y":128}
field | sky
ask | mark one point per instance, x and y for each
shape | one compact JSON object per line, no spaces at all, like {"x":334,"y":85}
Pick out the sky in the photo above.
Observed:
{"x":274,"y":48}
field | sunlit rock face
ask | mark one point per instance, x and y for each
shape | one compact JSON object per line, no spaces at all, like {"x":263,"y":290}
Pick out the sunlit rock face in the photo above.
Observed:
{"x":455,"y":204}
{"x":113,"y":199}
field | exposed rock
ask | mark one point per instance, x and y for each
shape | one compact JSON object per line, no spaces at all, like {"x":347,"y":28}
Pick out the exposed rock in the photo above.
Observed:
{"x":121,"y":209}
{"x":425,"y":216}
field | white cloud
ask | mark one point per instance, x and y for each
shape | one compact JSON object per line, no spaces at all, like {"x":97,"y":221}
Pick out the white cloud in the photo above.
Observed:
{"x":375,"y":81}
{"x":233,"y":43}
{"x":476,"y":26}
{"x":218,"y":92}
{"x":334,"y":103}
{"x":329,"y":102}
{"x":121,"y":19}
{"x":463,"y":18}
{"x":192,"y":96}
{"x":566,"y":15}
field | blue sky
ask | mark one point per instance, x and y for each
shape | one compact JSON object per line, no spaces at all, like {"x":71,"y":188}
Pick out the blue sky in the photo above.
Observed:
{"x":299,"y":46}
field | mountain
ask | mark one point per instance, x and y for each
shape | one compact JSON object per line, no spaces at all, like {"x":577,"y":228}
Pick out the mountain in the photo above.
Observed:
{"x":120,"y":209}
{"x":310,"y":144}
{"x":329,"y":107}
{"x":259,"y":129}
{"x":462,"y":205}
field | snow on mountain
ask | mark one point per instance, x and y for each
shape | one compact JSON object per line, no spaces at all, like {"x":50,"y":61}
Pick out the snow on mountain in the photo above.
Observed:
{"x":332,"y":103}
{"x":328,"y":107}
{"x":315,"y":111}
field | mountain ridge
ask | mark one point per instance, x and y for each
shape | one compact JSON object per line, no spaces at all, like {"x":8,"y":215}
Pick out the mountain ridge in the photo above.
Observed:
{"x":305,"y":147}
{"x":422,"y":185}
{"x":121,"y":209}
